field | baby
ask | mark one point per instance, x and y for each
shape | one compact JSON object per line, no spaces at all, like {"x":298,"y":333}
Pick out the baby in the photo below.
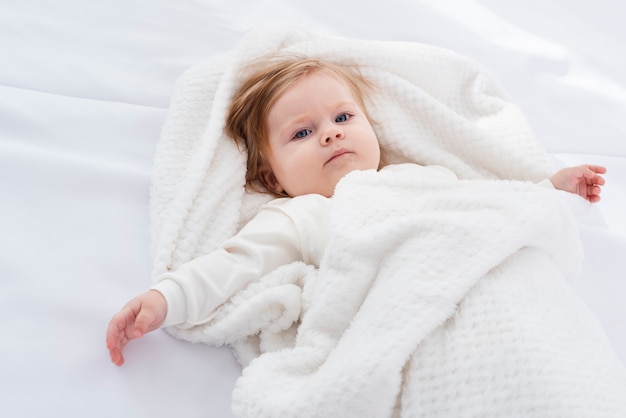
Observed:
{"x":305,"y":126}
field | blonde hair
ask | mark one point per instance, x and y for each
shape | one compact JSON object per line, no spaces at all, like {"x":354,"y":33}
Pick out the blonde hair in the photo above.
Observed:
{"x":267,"y":79}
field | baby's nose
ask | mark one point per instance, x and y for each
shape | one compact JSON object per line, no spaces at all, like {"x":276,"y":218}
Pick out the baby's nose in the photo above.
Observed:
{"x":334,"y":133}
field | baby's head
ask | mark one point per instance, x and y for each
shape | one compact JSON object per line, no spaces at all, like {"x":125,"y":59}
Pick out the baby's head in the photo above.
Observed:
{"x":304,"y":125}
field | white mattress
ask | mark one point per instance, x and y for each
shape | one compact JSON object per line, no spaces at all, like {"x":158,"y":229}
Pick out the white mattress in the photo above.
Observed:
{"x":84,"y":90}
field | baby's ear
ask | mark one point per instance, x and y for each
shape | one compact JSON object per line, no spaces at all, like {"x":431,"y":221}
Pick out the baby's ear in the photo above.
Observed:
{"x":270,"y":181}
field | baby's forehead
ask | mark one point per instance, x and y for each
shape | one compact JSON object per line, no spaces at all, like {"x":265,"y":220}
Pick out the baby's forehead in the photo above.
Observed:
{"x":317,"y":80}
{"x":320,"y":89}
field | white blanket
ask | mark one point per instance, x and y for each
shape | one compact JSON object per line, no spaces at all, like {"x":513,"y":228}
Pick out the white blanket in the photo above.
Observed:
{"x":433,"y":297}
{"x":432,"y":107}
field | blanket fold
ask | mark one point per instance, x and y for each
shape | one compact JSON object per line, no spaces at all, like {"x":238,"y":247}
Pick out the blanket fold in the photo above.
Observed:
{"x":463,"y":264}
{"x":435,"y":297}
{"x":432,"y":106}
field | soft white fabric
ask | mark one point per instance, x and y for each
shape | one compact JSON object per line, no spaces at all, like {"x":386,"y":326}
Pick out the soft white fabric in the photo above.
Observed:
{"x":435,"y":296}
{"x":285,"y":230}
{"x":405,"y":255}
{"x":433,"y":107}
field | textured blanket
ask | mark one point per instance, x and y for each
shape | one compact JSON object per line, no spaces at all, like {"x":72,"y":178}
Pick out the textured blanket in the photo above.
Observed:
{"x":434,"y":297}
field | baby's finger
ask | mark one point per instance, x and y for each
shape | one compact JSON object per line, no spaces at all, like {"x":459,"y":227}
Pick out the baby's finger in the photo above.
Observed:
{"x":596,"y":168}
{"x":599,"y":180}
{"x":595,"y":179}
{"x":594,"y":190}
{"x":116,"y":327}
{"x":115,"y":343}
{"x":591,"y":176}
{"x":143,"y":321}
{"x":117,"y":357}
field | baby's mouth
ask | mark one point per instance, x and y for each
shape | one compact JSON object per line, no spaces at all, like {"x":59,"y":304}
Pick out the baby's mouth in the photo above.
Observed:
{"x":337,"y":154}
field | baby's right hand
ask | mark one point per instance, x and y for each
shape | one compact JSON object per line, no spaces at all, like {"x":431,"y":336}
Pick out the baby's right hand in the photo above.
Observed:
{"x":141,"y":315}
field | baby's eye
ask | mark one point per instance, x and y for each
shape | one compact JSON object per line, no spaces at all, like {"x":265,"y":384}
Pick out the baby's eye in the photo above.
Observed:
{"x":302,"y":133}
{"x":342,"y":118}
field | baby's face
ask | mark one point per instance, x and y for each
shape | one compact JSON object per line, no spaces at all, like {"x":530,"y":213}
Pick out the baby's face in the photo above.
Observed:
{"x":318,"y":134}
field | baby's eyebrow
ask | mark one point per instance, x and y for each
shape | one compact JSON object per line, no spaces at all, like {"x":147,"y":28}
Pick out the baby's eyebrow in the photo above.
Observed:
{"x":291,"y":124}
{"x":345,"y":104}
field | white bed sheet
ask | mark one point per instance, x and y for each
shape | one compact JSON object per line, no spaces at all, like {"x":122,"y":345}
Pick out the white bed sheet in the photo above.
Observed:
{"x":84,"y":90}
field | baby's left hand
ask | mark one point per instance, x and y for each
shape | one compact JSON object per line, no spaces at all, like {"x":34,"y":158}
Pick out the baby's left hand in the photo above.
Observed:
{"x":584,"y":180}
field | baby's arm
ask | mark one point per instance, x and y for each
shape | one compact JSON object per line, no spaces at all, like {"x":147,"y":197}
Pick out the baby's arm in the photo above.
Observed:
{"x":192,"y":294}
{"x":584,"y":180}
{"x":141,"y":315}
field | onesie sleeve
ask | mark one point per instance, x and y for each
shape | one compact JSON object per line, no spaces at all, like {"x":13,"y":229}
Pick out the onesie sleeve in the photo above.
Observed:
{"x":546,"y":183}
{"x":196,"y":290}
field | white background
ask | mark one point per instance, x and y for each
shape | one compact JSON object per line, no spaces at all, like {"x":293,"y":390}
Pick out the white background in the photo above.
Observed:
{"x":84,"y":90}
